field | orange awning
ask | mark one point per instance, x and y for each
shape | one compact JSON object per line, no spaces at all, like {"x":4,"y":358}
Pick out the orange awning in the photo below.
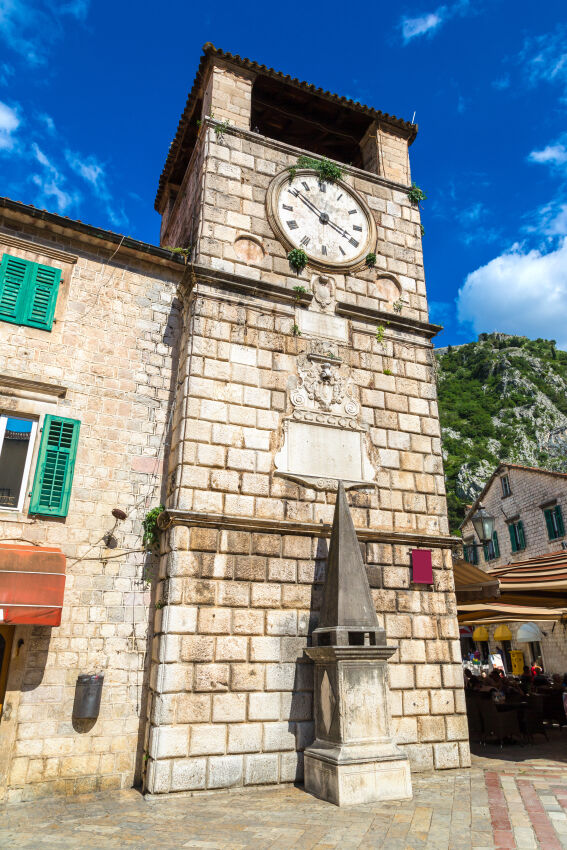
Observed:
{"x":32,"y":584}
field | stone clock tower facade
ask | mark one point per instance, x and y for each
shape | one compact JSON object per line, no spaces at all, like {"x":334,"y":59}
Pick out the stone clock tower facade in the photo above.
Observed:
{"x":287,"y":382}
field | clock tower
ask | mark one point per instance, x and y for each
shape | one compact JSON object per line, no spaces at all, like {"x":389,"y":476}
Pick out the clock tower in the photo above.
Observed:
{"x":305,"y":359}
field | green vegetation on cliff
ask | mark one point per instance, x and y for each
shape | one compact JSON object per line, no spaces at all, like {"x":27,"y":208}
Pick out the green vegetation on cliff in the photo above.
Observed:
{"x":503,"y":398}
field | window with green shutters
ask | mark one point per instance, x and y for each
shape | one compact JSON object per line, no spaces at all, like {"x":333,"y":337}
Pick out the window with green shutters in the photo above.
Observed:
{"x":517,"y":535}
{"x":55,"y":465}
{"x":470,"y":552}
{"x":554,"y":522}
{"x":492,"y":549}
{"x":28,"y":292}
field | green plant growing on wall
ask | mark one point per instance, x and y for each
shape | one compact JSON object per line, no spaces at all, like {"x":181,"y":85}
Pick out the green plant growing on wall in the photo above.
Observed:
{"x":184,"y":252}
{"x":415,"y":194}
{"x":297,"y":259}
{"x":151,"y":531}
{"x":380,"y":334}
{"x":388,"y":372}
{"x":299,"y":291}
{"x":397,"y":306}
{"x":326,"y":170}
{"x":422,"y":229}
{"x":220,"y":129}
{"x":295,"y":329}
{"x":370,"y":260}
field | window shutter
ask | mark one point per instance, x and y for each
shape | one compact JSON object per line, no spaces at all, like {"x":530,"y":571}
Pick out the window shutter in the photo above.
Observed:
{"x":42,"y":297}
{"x":559,"y":521}
{"x":513,"y":540}
{"x":495,"y":545}
{"x":486,"y":551}
{"x":549,"y":522}
{"x":521,"y":535}
{"x":474,"y":552}
{"x":14,"y":274}
{"x":55,"y":465}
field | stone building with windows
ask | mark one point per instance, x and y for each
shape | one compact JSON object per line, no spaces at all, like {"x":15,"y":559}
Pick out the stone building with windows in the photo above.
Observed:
{"x":528,"y":506}
{"x":286,"y":346}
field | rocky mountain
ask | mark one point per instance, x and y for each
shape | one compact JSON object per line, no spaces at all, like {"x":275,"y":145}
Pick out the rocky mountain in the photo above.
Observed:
{"x":501,"y":398}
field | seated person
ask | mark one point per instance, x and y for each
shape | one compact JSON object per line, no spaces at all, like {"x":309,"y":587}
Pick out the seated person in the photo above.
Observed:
{"x":526,"y":679}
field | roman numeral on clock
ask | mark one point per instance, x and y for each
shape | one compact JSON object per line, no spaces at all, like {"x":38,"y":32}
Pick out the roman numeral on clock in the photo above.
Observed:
{"x":342,"y":252}
{"x":356,"y":227}
{"x":305,"y":186}
{"x":324,"y":250}
{"x":352,"y":212}
{"x":353,"y":242}
{"x":286,"y":207}
{"x":305,"y":241}
{"x":339,"y":197}
{"x":293,"y":225}
{"x":322,"y":187}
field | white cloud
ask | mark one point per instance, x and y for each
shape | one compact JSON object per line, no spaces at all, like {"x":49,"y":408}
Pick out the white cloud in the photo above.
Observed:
{"x":51,"y":188}
{"x":89,"y":169}
{"x":412,"y":27}
{"x":429,"y":22}
{"x":31,"y":27}
{"x":93,"y":173}
{"x":502,"y":83}
{"x":544,"y":58}
{"x":523,"y":292}
{"x":9,"y":123}
{"x":52,"y":184}
{"x":550,"y":155}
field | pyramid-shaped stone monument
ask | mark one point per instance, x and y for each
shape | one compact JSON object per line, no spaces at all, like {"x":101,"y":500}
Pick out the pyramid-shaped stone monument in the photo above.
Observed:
{"x":353,"y":759}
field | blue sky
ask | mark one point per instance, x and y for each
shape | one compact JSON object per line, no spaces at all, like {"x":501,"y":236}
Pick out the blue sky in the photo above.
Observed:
{"x":91,"y":93}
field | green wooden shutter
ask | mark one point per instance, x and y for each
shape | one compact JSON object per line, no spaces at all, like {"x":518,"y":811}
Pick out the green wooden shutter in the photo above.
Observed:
{"x":42,"y":297}
{"x":549,"y":522}
{"x":55,"y":465}
{"x":28,"y":292}
{"x":495,"y":545}
{"x":521,"y":535}
{"x":14,"y":277}
{"x":559,"y":521}
{"x":485,"y":549}
{"x":513,"y":541}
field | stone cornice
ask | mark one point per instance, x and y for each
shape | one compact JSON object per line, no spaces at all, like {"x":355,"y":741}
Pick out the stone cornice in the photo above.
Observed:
{"x":275,"y":292}
{"x":393,"y":320}
{"x":244,"y":285}
{"x":37,"y":248}
{"x":229,"y":522}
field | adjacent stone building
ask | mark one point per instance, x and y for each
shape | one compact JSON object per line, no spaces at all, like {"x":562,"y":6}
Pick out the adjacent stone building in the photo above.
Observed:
{"x":258,"y":385}
{"x":528,"y":506}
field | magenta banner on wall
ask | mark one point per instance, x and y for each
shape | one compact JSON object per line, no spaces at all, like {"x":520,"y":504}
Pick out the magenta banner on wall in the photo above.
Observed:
{"x":422,"y":566}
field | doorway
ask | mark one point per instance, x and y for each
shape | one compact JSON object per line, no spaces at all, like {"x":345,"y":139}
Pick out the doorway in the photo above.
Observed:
{"x":6,"y":638}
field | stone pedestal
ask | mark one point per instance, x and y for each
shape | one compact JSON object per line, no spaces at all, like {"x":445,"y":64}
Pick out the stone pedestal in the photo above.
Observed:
{"x":353,"y":759}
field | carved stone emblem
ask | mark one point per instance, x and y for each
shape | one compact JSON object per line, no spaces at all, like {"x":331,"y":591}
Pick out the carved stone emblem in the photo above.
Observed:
{"x":324,"y":385}
{"x":323,"y":288}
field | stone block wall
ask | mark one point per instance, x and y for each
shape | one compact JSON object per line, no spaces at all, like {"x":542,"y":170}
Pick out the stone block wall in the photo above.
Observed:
{"x":242,"y":567}
{"x":108,"y":363}
{"x":232,"y":702}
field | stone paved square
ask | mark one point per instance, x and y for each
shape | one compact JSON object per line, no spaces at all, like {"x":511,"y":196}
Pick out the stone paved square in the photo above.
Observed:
{"x":510,"y":798}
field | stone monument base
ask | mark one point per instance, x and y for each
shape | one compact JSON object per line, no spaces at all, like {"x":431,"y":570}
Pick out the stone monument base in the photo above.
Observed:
{"x":357,"y":782}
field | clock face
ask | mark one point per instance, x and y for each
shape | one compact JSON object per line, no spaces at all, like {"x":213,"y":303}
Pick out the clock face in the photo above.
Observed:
{"x":325,"y":219}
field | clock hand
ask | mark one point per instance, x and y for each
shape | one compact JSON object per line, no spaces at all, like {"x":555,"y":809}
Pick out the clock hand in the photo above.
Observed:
{"x":308,"y":203}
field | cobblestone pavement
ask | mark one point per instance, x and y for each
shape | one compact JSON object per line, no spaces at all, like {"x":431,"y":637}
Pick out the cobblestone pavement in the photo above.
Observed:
{"x":514,"y":798}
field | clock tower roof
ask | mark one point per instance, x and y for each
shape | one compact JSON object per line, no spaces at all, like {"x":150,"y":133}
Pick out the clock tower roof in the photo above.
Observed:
{"x":268,"y":82}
